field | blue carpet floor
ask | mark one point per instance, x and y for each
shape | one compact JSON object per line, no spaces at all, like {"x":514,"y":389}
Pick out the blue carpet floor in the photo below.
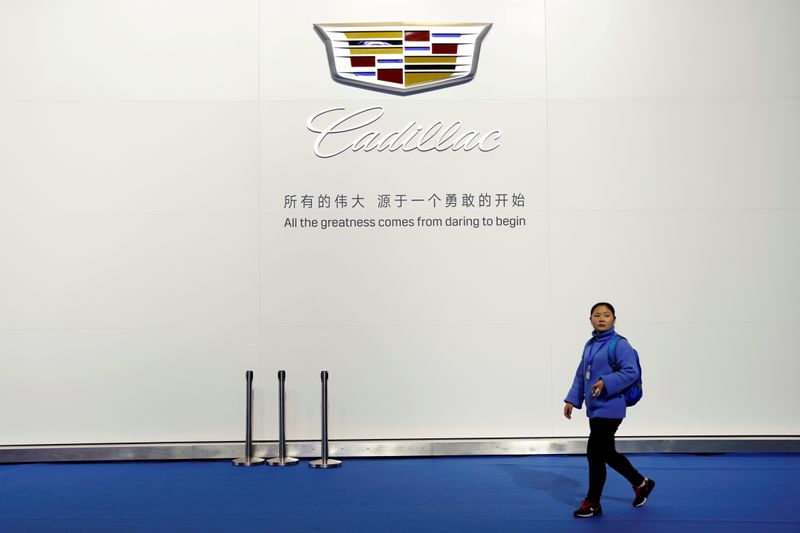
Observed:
{"x":694,"y":493}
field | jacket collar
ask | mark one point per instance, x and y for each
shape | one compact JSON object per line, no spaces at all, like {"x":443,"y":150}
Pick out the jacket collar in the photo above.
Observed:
{"x":604,"y":336}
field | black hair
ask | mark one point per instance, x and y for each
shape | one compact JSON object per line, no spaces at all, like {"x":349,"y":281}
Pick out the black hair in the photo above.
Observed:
{"x":598,"y":304}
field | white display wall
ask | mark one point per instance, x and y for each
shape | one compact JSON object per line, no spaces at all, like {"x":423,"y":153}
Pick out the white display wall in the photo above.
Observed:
{"x":147,"y":150}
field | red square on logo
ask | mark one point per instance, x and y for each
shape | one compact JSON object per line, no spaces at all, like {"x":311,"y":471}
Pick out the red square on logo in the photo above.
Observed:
{"x":392,"y":75}
{"x":418,"y":36}
{"x":365,"y":61}
{"x":445,"y":49}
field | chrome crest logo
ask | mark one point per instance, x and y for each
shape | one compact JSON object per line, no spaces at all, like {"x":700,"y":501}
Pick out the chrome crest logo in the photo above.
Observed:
{"x":403,"y":58}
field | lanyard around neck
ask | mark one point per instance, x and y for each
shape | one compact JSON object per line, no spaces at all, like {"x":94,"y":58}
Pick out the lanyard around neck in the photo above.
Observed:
{"x":593,"y":352}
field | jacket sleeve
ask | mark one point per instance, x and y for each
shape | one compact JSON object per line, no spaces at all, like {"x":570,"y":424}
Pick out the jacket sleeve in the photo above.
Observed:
{"x":575,"y":394}
{"x":628,"y":373}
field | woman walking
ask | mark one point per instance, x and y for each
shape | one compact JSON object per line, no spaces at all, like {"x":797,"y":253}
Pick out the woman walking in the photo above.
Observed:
{"x":602,"y":387}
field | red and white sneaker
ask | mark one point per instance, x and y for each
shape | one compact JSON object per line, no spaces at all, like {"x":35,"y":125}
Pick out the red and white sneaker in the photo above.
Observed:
{"x":587,"y":510}
{"x":641,"y":493}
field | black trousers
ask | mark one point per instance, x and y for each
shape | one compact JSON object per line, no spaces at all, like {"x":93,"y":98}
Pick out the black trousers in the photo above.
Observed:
{"x":601,"y":451}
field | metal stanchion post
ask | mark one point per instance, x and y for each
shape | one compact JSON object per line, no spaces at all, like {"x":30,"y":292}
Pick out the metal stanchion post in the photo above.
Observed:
{"x":248,"y":459}
{"x":282,"y":460}
{"x":324,"y":462}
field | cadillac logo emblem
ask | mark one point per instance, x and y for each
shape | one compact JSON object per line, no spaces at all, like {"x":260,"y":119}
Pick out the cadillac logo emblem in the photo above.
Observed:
{"x":403,"y":58}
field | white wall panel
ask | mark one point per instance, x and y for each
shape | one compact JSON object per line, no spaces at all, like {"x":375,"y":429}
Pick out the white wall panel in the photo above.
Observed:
{"x":123,"y":271}
{"x":294,"y":62}
{"x":129,"y":157}
{"x":696,"y":266}
{"x":711,"y":377}
{"x":699,"y":378}
{"x":675,"y":154}
{"x":406,"y":275}
{"x":115,"y":49}
{"x":683,"y":48}
{"x":419,"y":276}
{"x":95,"y":385}
{"x":399,"y":381}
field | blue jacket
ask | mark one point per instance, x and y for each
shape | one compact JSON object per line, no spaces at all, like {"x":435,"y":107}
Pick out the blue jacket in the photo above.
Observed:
{"x":610,"y":403}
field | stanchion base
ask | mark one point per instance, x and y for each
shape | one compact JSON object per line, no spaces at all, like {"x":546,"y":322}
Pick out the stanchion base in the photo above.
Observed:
{"x":331,"y":463}
{"x":286,"y":461}
{"x":254,"y":461}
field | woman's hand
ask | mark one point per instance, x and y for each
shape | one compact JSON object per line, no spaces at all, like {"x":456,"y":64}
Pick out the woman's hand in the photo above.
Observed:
{"x":568,"y":410}
{"x":597,"y":388}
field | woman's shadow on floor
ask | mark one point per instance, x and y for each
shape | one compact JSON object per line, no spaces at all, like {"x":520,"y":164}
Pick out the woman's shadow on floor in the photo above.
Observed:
{"x":562,"y":488}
